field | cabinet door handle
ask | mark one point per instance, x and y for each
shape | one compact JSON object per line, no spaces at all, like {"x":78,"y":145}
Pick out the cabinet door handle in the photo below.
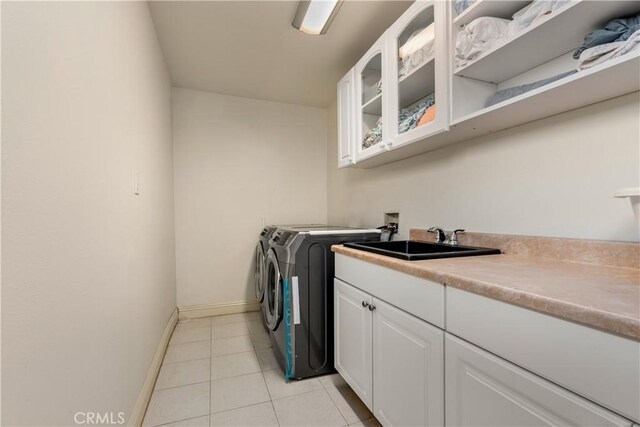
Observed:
{"x":366,"y":304}
{"x":371,"y":307}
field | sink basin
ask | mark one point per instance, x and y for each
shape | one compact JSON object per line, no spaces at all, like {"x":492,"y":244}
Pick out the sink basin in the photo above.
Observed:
{"x":412,"y":250}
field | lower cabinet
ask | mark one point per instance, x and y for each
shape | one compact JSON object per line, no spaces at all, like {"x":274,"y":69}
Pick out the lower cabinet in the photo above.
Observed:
{"x":392,"y":360}
{"x":352,"y":336}
{"x":484,"y":390}
{"x":408,"y":369}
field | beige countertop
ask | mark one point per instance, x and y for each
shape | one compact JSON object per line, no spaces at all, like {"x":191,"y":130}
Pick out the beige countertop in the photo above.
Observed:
{"x":603,"y":297}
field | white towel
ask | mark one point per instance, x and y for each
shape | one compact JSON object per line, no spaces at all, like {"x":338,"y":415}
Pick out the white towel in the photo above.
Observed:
{"x":417,"y":50}
{"x":417,"y":40}
{"x":478,"y":36}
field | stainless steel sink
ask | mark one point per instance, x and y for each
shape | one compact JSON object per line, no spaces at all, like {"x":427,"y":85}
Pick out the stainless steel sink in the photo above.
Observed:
{"x":412,"y":250}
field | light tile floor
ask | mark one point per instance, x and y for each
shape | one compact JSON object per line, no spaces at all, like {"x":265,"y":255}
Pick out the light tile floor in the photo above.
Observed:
{"x":220,"y":371}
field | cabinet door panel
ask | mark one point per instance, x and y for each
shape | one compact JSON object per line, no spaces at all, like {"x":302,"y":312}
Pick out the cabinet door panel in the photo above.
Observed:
{"x":484,"y":390}
{"x":370,"y":120}
{"x":352,"y":335}
{"x":417,"y":73}
{"x":408,"y":369}
{"x":346,"y":113}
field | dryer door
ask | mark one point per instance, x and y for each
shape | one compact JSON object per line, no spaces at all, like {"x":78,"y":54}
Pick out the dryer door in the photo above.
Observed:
{"x":259,"y":272}
{"x":273,"y":291}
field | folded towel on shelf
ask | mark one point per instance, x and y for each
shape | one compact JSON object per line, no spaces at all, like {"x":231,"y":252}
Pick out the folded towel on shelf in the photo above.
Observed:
{"x":373,"y":136}
{"x":417,"y":50}
{"x":428,"y":116}
{"x":617,"y":30}
{"x":598,"y":54}
{"x":462,"y":5}
{"x":508,"y":93}
{"x":409,"y":117}
{"x":478,"y":36}
{"x":532,"y":14}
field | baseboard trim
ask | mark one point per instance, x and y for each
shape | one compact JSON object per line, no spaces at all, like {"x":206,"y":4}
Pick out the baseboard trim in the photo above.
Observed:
{"x":206,"y":310}
{"x":137,"y":415}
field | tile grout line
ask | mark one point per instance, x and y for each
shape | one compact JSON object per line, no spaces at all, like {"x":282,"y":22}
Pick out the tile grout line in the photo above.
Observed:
{"x":181,"y":385}
{"x":270,"y":397}
{"x":185,"y":361}
{"x":186,"y":342}
{"x":172,"y":422}
{"x":336,"y":404}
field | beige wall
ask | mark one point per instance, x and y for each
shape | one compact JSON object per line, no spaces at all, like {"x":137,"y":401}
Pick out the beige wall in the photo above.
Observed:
{"x":88,"y":268}
{"x":239,"y":163}
{"x":553,"y":177}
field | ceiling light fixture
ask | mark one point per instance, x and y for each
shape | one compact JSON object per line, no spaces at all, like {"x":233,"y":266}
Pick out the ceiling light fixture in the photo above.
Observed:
{"x":315,"y":16}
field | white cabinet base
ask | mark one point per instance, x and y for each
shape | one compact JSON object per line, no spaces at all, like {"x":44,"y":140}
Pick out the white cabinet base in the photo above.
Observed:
{"x":484,"y":390}
{"x":408,"y":368}
{"x":352,"y":337}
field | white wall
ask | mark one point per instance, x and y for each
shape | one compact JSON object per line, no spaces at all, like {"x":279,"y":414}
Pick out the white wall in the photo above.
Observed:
{"x":239,"y":163}
{"x":88,"y":268}
{"x":553,"y":177}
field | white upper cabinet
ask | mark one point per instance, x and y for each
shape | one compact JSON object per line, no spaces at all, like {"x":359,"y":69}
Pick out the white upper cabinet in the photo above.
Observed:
{"x":346,"y":128}
{"x":492,"y":66}
{"x":416,"y":81}
{"x":371,"y":126}
{"x":526,"y":68}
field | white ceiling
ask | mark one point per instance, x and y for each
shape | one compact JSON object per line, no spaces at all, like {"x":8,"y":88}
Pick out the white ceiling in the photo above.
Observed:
{"x":250,"y":49}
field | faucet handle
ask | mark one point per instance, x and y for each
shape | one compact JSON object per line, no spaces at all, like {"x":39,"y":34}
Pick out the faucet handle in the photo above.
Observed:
{"x":440,"y":234}
{"x":454,"y":236}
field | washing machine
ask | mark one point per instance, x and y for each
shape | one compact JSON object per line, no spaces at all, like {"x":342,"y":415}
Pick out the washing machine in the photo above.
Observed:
{"x":298,"y":295}
{"x":262,"y":248}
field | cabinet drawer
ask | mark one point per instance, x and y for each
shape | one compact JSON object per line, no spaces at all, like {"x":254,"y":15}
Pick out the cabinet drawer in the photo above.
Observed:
{"x":602,"y":367}
{"x":420,"y":297}
{"x":484,"y":390}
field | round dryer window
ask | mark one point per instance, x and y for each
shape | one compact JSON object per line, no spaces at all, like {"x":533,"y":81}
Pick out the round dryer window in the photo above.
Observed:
{"x":273,"y":291}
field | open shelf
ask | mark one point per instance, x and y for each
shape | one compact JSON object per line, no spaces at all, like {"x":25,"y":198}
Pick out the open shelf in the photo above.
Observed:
{"x":495,"y":8}
{"x":373,"y":106}
{"x":417,"y":84}
{"x":613,"y":78}
{"x":560,"y":33}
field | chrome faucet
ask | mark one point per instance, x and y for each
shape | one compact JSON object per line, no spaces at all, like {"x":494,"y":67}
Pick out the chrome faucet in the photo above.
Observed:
{"x":440,"y":234}
{"x":453,"y":237}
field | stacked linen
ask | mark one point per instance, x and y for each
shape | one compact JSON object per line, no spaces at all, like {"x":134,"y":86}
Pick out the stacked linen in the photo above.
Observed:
{"x":478,"y":36}
{"x":617,"y":30}
{"x":618,"y":37}
{"x":411,"y":117}
{"x":417,"y":50}
{"x":484,"y":33}
{"x":599,"y":54}
{"x":373,"y":136}
{"x":534,"y":13}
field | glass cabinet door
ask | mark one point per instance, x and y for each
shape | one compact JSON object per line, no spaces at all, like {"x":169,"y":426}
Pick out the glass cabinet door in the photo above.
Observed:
{"x":417,"y":74}
{"x":370,"y":126}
